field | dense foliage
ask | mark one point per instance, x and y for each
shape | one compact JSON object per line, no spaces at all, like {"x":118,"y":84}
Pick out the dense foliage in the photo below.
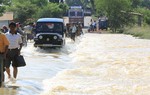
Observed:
{"x":31,"y":10}
{"x":2,"y":7}
{"x":122,"y":12}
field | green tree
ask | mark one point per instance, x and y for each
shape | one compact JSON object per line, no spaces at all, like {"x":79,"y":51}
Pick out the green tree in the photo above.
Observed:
{"x":64,"y":7}
{"x":85,"y":3}
{"x":2,"y":7}
{"x":93,"y":5}
{"x":7,"y":2}
{"x":114,"y":11}
{"x":146,"y":16}
{"x":22,"y":11}
{"x":73,"y":2}
{"x":34,"y":9}
{"x":136,"y":3}
{"x":54,"y":1}
{"x":146,"y":3}
{"x":51,"y":10}
{"x":39,"y":3}
{"x":2,"y":10}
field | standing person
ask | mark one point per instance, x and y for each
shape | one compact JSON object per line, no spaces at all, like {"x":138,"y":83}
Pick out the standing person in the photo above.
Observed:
{"x":13,"y":50}
{"x":29,"y":31}
{"x":73,"y":31}
{"x":3,"y":50}
{"x":80,"y":29}
{"x":5,"y":29}
{"x":94,"y":25}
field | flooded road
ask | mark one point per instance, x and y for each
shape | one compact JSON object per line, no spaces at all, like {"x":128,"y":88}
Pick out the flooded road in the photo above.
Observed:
{"x":96,"y":64}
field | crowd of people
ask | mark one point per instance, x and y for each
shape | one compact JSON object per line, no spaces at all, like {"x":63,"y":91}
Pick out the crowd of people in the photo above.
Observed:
{"x":73,"y":30}
{"x":11,"y":41}
{"x":26,"y":32}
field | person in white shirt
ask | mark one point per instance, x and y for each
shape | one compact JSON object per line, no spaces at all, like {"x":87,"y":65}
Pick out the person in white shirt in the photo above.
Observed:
{"x":29,"y":31}
{"x":73,"y":31}
{"x":14,"y":49}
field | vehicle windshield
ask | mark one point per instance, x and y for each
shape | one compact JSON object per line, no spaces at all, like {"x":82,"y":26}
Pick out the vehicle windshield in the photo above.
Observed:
{"x":51,"y":27}
{"x":79,"y":13}
{"x":72,"y":13}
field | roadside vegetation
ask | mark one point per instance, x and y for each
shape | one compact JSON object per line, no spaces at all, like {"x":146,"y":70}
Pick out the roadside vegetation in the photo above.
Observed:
{"x":126,"y":16}
{"x":141,"y":32}
{"x":26,"y":11}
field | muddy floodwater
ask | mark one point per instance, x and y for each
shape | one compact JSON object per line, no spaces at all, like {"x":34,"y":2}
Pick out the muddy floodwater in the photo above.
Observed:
{"x":96,"y":64}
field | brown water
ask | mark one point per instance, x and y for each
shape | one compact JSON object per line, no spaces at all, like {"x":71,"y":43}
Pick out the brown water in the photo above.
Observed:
{"x":97,"y":64}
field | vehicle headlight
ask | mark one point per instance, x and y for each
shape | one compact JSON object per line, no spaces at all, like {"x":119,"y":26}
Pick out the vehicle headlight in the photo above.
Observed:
{"x":55,"y":37}
{"x":40,"y":37}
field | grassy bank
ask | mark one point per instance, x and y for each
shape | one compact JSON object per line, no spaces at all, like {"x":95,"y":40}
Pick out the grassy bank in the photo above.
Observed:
{"x":141,"y":32}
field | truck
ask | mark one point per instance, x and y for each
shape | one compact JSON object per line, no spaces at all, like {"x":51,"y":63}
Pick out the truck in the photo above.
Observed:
{"x":76,"y":14}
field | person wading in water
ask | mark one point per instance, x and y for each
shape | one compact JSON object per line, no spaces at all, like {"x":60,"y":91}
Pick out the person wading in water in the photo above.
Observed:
{"x":13,"y":50}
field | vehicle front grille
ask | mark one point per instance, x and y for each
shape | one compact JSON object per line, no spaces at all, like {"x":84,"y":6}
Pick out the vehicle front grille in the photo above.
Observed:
{"x":48,"y":39}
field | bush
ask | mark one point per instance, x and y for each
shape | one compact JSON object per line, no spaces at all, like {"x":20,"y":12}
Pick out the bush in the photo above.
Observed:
{"x":146,"y":14}
{"x":141,"y":32}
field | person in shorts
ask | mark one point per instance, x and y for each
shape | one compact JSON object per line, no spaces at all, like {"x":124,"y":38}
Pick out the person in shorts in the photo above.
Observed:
{"x":13,"y":50}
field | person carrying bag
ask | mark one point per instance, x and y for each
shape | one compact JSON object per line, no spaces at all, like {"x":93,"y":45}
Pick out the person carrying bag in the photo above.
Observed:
{"x":14,"y":50}
{"x":20,"y":61}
